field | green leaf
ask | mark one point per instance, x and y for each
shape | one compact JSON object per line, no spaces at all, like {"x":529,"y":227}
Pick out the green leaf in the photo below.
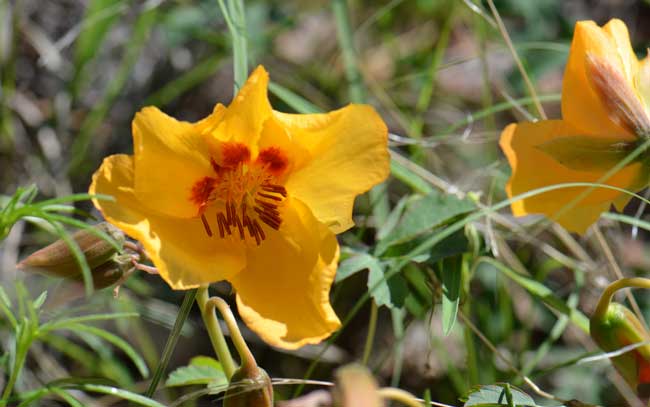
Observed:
{"x":201,"y":370}
{"x":424,"y":214}
{"x":390,"y":293}
{"x":451,"y":283}
{"x":352,"y":265}
{"x":495,"y":395}
{"x":583,"y":153}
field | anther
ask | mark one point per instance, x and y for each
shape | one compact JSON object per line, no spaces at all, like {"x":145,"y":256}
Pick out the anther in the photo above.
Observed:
{"x":275,"y":188}
{"x":220,"y":222}
{"x":269,"y":221}
{"x":206,"y":225}
{"x":265,"y":204}
{"x":229,"y":214}
{"x":259,"y":232}
{"x":269,"y":196}
{"x":238,"y":222}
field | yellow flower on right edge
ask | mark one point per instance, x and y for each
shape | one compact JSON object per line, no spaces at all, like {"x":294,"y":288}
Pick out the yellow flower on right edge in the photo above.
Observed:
{"x":605,"y":109}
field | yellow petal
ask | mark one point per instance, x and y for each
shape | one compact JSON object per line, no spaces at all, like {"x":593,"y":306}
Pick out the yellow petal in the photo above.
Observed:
{"x":349,"y":155}
{"x":532,"y":168}
{"x":243,"y":120}
{"x":283,"y":294}
{"x":620,"y":37}
{"x":581,"y":106}
{"x":170,"y":157}
{"x":180,"y":248}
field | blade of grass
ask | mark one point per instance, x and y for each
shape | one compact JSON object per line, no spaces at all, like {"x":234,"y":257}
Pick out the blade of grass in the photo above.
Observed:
{"x":172,"y":340}
{"x":515,"y":56}
{"x":195,"y":76}
{"x":234,"y":13}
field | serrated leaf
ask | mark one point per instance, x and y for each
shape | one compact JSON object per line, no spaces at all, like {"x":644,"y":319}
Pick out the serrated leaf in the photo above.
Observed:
{"x":495,"y":395}
{"x":422,"y":215}
{"x":353,"y":265}
{"x":201,"y":370}
{"x":583,"y":153}
{"x":390,"y":293}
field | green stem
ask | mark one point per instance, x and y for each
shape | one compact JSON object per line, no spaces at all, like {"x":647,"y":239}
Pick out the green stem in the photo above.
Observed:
{"x":606,"y":297}
{"x":234,"y":13}
{"x":372,"y":328}
{"x":344,"y":32}
{"x":248,"y":363}
{"x":172,"y":340}
{"x":214,"y":332}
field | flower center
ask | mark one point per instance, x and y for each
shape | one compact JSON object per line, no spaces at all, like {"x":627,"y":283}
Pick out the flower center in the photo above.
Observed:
{"x":245,"y":194}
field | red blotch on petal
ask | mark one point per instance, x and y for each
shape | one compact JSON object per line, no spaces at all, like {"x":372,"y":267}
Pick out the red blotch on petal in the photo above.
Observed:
{"x":233,"y":154}
{"x":275,"y":159}
{"x":201,"y":191}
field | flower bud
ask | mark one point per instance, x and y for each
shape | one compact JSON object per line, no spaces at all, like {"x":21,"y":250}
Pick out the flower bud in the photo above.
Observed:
{"x":356,"y":387}
{"x":249,"y":388}
{"x":57,"y":259}
{"x":616,"y":328}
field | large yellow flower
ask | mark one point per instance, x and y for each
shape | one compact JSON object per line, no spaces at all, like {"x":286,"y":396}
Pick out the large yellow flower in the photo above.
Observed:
{"x":605,"y":99}
{"x":252,"y":196}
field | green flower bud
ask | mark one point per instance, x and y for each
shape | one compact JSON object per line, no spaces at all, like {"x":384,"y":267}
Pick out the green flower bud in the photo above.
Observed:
{"x":57,"y":260}
{"x":249,"y":388}
{"x":613,"y":327}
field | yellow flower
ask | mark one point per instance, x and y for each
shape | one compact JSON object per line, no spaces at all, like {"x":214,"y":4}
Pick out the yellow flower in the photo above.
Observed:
{"x":605,"y":99}
{"x":252,"y":196}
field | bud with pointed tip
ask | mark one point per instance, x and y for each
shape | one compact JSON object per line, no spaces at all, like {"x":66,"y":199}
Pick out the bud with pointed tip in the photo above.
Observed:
{"x":57,"y":260}
{"x":618,"y":96}
{"x":613,"y":327}
{"x":249,"y":388}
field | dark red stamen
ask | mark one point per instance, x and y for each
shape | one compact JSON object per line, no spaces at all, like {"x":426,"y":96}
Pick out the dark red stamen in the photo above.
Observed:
{"x":259,"y":231}
{"x":271,"y":222}
{"x":269,"y":196}
{"x":238,"y":223}
{"x":221,"y":221}
{"x":265,"y":204}
{"x":206,"y":225}
{"x":275,"y":188}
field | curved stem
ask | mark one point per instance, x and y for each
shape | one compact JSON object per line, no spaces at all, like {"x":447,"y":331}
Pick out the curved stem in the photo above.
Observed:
{"x":606,"y":297}
{"x":248,"y":363}
{"x":402,"y":396}
{"x":214,"y":331}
